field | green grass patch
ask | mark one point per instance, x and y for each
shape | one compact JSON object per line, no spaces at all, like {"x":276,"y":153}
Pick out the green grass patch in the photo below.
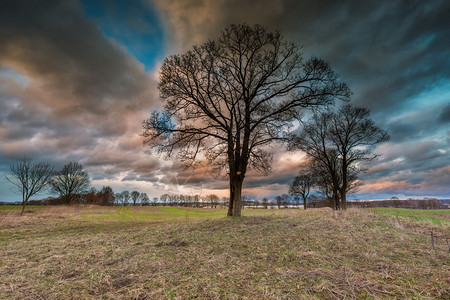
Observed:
{"x":189,"y":212}
{"x":13,"y":208}
{"x":160,"y":214}
{"x":435,"y":216}
{"x":151,"y":214}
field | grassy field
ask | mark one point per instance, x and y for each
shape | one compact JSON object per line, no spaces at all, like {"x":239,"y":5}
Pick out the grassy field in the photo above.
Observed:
{"x":89,"y":252}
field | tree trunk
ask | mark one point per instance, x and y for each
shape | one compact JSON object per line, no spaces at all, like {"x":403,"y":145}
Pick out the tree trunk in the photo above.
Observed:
{"x":230,"y":204}
{"x":343,"y":200}
{"x":23,"y":207}
{"x":335,"y":201}
{"x":344,"y":181}
{"x":235,"y":206}
{"x":304,"y":203}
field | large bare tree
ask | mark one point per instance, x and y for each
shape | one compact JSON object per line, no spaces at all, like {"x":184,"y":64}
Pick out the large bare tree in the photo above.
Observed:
{"x":353,"y":132}
{"x":29,"y":178}
{"x":228,"y":99}
{"x":324,"y":158}
{"x":70,"y":181}
{"x":338,"y":142}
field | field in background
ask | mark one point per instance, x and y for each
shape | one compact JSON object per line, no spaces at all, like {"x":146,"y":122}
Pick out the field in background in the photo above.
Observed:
{"x":438,"y":216}
{"x":96,"y":252}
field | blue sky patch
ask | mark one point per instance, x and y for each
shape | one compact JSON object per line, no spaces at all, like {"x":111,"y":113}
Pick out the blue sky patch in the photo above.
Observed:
{"x":133,"y":24}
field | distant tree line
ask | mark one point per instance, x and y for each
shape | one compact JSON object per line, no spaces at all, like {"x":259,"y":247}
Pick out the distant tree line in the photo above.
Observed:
{"x":291,"y":201}
{"x":318,"y":201}
{"x":103,"y":197}
{"x":430,"y":203}
{"x":211,"y":200}
{"x":72,"y":186}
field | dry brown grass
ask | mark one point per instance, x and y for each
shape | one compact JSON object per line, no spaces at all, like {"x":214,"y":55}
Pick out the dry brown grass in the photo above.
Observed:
{"x":288,"y":254}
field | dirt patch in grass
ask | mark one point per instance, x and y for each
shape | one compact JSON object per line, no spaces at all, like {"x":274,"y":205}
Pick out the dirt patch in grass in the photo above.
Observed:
{"x":285,"y":254}
{"x":173,"y":243}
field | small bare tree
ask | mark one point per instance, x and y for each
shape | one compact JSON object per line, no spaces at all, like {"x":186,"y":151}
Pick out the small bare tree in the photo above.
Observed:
{"x":106,"y":196}
{"x":70,"y":181}
{"x":265,"y":202}
{"x":228,"y":99}
{"x":29,"y":178}
{"x":212,"y":200}
{"x":303,"y":183}
{"x":118,"y":199}
{"x":125,"y":197}
{"x":144,"y":199}
{"x":279,"y":201}
{"x":135,"y":197}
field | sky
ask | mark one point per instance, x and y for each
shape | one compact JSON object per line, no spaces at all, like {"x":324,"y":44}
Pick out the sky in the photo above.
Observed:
{"x":77,"y":78}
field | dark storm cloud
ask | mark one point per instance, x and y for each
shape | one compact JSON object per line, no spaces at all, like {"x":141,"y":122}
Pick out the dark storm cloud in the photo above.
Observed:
{"x":53,"y":40}
{"x":416,"y":125}
{"x":444,"y":116}
{"x":82,"y":75}
{"x":64,"y":86}
{"x":386,"y":50}
{"x":115,"y":161}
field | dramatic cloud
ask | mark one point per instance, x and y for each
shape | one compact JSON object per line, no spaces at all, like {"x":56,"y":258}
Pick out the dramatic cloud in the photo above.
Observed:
{"x":68,"y":93}
{"x":78,"y":78}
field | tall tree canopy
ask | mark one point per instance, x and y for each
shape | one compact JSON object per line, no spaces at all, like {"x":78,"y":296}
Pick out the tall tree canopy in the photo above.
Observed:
{"x":227,"y":99}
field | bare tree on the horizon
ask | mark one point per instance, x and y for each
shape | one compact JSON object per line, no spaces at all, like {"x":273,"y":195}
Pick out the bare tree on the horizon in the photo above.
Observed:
{"x":303,"y":183}
{"x":144,"y":199}
{"x":106,"y":196}
{"x":71,"y":180}
{"x":135,"y":197}
{"x":228,"y":99}
{"x":118,"y":199}
{"x":125,"y":196}
{"x":29,"y":178}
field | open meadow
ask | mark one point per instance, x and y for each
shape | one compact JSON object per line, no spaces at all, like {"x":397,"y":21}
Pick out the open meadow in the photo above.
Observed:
{"x":93,"y":252}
